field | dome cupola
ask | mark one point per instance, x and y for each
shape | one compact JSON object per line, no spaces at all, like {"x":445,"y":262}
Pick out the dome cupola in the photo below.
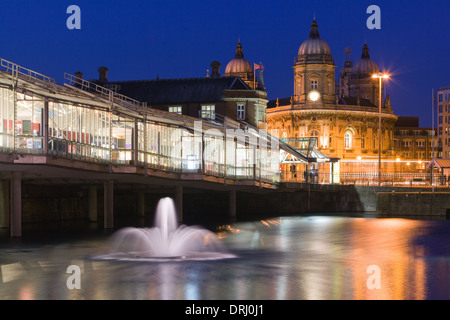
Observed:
{"x":314,"y":47}
{"x":239,"y":65}
{"x":366,"y":66}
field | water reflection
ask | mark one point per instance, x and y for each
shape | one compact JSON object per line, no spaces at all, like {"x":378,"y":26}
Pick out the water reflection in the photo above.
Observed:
{"x":309,"y":258}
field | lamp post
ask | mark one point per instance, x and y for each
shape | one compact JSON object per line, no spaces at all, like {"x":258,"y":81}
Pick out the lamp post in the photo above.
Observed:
{"x":380,"y":76}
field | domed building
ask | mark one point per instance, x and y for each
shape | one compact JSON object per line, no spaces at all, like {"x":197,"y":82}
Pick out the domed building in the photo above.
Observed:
{"x":360,"y":82}
{"x":341,"y":118}
{"x":240,"y":67}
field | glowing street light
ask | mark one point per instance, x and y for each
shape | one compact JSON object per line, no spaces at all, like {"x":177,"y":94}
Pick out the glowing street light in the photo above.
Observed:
{"x":380,"y":76}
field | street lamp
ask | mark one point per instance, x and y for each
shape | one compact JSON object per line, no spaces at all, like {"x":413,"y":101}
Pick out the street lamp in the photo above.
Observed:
{"x":380,"y":76}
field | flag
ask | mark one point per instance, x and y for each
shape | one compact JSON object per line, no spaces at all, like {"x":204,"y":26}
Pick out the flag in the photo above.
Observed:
{"x":257,"y":66}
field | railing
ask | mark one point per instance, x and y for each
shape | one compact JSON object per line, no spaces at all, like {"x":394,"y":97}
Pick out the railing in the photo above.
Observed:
{"x":16,"y":70}
{"x":106,"y":93}
{"x":368,"y":179}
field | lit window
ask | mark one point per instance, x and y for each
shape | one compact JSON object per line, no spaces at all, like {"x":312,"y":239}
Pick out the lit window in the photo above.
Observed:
{"x":208,"y":112}
{"x":241,"y":112}
{"x":176,"y":109}
{"x":348,"y":140}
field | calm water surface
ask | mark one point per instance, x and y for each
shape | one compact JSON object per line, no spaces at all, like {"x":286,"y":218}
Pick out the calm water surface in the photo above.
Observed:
{"x":285,"y":258}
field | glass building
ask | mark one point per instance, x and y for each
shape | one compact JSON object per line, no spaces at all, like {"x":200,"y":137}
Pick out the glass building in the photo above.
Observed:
{"x":86,"y":122}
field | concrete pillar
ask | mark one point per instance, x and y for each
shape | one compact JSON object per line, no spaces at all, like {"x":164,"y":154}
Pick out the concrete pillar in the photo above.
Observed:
{"x":140,"y":204}
{"x":16,"y":204}
{"x":331,"y":173}
{"x":232,"y":205}
{"x":109,"y":204}
{"x":4,"y":204}
{"x":93,"y":208}
{"x":179,"y":202}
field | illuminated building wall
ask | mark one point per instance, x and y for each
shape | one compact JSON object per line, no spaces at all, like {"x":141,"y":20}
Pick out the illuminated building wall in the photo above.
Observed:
{"x":443,"y":120}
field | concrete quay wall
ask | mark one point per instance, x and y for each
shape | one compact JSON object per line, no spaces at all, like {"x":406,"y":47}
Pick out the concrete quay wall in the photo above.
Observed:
{"x":43,"y":206}
{"x":413,"y":204}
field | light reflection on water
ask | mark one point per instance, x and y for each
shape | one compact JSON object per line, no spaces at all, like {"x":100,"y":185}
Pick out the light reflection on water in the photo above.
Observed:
{"x":310,"y":258}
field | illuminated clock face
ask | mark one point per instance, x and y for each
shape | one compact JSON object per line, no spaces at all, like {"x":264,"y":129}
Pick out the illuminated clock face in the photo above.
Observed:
{"x":314,"y":95}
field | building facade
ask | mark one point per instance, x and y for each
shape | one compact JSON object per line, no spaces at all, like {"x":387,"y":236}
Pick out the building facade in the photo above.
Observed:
{"x":344,"y":116}
{"x":412,"y":142}
{"x":443,"y":120}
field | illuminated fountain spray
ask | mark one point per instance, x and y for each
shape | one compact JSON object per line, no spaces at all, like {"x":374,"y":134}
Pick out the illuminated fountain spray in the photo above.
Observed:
{"x":166,"y":240}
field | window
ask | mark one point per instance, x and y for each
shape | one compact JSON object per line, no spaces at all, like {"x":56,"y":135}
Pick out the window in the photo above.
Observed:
{"x":441,"y":96}
{"x":208,"y":112}
{"x":241,"y":112}
{"x":176,"y":109}
{"x":348,"y":140}
{"x":406,"y":143}
{"x":363,"y":142}
{"x":440,"y":108}
{"x":314,"y":135}
{"x":314,"y":85}
{"x":420,"y":143}
{"x":324,"y":142}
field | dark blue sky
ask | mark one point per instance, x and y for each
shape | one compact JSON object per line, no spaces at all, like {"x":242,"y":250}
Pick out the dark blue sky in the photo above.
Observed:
{"x":176,"y":39}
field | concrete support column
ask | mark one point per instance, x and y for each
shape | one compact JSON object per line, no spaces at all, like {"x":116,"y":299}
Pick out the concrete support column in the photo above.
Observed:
{"x":16,"y":204}
{"x":4,"y":204}
{"x":140,"y":204}
{"x":109,"y":204}
{"x":232,"y":205}
{"x":93,"y":208}
{"x":179,"y":202}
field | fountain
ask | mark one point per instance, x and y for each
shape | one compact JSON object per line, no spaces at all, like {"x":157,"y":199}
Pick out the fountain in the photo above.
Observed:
{"x":166,"y":240}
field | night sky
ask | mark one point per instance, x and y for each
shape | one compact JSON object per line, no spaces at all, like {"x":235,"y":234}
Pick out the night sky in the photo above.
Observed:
{"x":179,"y":39}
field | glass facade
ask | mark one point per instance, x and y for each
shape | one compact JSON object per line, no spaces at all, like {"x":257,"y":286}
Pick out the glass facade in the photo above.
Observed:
{"x":31,"y":123}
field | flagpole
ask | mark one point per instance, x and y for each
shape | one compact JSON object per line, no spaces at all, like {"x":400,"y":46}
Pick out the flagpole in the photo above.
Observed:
{"x":254,"y":76}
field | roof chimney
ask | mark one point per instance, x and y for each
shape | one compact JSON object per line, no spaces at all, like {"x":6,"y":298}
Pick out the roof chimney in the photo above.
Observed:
{"x":79,"y":79}
{"x":102,"y":74}
{"x":215,"y":69}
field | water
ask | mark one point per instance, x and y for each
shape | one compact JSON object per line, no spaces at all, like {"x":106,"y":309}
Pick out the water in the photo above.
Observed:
{"x":286,"y":258}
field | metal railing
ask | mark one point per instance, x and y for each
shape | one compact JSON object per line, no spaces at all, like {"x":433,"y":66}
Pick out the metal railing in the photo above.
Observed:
{"x":105,"y":93}
{"x":17,"y":70}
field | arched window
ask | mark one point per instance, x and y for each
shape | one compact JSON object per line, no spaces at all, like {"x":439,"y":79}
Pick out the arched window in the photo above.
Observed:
{"x":314,"y":134}
{"x":348,"y":139}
